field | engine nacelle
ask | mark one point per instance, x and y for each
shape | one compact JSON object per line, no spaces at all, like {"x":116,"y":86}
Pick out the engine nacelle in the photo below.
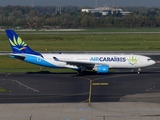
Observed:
{"x":102,"y":69}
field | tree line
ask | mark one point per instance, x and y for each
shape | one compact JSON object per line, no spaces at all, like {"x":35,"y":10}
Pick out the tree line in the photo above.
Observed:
{"x":71,"y":17}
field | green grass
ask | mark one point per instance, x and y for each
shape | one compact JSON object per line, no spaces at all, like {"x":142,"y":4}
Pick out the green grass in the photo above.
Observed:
{"x":87,"y":42}
{"x":3,"y":90}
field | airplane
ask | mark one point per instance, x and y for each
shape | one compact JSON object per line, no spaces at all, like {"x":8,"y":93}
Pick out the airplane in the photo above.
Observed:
{"x":101,"y":63}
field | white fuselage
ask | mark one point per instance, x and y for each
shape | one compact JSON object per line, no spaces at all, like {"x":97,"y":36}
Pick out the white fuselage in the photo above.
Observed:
{"x":111,"y":60}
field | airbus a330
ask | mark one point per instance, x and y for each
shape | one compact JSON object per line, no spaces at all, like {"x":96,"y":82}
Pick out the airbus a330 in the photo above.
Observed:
{"x":101,"y":63}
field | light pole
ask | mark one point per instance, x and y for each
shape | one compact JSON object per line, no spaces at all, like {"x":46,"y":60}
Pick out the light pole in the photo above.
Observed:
{"x":30,"y":116}
{"x":104,"y":117}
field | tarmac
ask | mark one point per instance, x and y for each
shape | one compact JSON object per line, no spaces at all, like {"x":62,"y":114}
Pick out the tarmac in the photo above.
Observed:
{"x":81,"y":111}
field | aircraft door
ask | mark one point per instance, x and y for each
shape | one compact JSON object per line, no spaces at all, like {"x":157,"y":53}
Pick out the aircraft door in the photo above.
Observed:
{"x":140,"y":60}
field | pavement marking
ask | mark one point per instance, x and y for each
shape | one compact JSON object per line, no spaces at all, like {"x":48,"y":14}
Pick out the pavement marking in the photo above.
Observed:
{"x":91,"y":84}
{"x":21,"y":84}
{"x":102,"y":83}
{"x":90,"y":90}
{"x":7,"y":74}
{"x":26,"y":86}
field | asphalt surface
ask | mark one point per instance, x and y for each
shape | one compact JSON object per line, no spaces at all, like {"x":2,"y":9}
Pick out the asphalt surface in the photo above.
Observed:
{"x":60,"y":87}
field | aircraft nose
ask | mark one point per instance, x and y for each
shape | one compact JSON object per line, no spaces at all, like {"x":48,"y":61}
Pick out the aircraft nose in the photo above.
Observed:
{"x":152,"y":62}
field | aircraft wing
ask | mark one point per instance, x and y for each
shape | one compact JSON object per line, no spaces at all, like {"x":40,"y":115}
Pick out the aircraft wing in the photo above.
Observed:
{"x":77,"y":63}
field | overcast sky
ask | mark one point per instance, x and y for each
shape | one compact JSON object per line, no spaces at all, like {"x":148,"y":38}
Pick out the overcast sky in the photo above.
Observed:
{"x":148,"y":3}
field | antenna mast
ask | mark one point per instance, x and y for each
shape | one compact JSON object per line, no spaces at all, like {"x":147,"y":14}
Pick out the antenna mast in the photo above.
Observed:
{"x":32,"y":3}
{"x":95,"y":3}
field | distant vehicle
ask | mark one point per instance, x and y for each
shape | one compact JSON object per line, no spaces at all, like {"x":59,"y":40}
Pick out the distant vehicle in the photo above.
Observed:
{"x":101,"y":63}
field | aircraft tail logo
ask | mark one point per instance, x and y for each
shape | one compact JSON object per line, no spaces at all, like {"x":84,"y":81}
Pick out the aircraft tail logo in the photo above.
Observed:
{"x":18,"y":44}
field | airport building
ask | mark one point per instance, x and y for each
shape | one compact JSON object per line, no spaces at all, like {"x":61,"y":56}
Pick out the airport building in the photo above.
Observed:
{"x":105,"y":10}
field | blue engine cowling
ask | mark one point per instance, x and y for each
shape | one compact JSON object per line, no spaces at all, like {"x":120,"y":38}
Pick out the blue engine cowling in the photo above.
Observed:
{"x":102,"y":69}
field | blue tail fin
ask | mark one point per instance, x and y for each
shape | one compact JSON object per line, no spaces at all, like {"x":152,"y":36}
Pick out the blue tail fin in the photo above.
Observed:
{"x":18,"y":45}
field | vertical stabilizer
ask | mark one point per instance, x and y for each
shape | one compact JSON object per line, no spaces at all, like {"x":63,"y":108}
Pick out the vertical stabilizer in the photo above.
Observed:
{"x":18,"y":45}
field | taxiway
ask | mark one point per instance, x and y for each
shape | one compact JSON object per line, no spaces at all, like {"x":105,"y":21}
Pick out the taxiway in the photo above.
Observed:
{"x":69,"y":87}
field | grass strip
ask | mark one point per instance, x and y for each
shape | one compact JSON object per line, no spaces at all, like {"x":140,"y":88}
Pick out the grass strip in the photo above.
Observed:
{"x":3,"y":90}
{"x":89,"y":42}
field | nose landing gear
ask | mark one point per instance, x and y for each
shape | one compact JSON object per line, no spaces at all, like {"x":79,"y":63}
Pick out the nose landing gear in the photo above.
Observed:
{"x":139,"y":70}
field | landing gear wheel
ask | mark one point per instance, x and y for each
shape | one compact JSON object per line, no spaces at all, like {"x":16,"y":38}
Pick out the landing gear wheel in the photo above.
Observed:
{"x":81,"y":70}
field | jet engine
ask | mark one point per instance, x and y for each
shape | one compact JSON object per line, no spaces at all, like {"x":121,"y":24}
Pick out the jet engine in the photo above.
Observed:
{"x":102,"y":69}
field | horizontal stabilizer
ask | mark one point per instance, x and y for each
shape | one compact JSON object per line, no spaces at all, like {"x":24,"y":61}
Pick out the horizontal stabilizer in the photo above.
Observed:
{"x":18,"y":56}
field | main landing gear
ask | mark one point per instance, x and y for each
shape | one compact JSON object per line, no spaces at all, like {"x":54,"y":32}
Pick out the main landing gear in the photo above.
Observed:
{"x":81,"y":70}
